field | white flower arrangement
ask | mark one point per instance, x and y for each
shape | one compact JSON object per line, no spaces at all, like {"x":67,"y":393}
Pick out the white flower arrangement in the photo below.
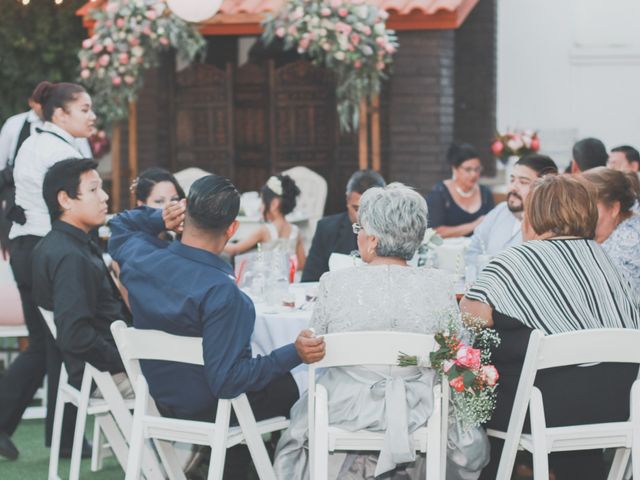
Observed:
{"x":275,"y":185}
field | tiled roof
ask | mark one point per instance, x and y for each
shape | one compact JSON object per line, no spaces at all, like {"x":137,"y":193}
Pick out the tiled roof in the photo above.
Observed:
{"x":428,"y":7}
{"x":243,"y":17}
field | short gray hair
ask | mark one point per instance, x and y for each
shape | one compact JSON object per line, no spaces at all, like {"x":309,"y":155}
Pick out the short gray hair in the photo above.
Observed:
{"x":397,"y":216}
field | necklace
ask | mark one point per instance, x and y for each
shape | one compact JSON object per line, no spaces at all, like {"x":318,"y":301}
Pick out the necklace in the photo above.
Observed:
{"x":464,"y":194}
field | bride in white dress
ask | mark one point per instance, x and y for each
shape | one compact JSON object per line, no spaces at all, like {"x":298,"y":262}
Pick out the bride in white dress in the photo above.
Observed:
{"x":385,"y":294}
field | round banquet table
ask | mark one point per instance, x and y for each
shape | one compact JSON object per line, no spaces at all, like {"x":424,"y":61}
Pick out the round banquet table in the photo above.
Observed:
{"x":276,"y":327}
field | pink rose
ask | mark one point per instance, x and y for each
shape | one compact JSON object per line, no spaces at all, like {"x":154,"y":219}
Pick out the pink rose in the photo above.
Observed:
{"x":380,"y":41}
{"x":120,"y":23}
{"x":84,"y":63}
{"x":343,"y":12}
{"x":490,"y":375}
{"x":109,"y":47}
{"x":97,"y":48}
{"x":366,"y":30}
{"x":147,"y":30}
{"x":133,"y":41}
{"x":280,"y":32}
{"x":128,"y":79}
{"x":104,"y":60}
{"x":293,"y":30}
{"x":116,"y":81}
{"x":457,"y":383}
{"x":151,"y":14}
{"x":357,"y":64}
{"x":325,"y":12}
{"x":87,"y":43}
{"x":468,"y":357}
{"x":164,"y":41}
{"x":355,"y":38}
{"x":390,"y":48}
{"x":85,"y":74}
{"x":380,"y":65}
{"x":123,"y":58}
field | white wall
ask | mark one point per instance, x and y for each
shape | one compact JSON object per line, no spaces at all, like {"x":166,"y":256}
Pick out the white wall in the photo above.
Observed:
{"x":570,"y":69}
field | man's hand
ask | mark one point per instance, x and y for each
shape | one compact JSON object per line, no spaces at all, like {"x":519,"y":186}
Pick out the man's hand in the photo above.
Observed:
{"x":173,"y":215}
{"x":310,"y":348}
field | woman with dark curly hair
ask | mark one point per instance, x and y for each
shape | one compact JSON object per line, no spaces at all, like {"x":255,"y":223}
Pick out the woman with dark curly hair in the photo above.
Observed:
{"x":278,"y":197}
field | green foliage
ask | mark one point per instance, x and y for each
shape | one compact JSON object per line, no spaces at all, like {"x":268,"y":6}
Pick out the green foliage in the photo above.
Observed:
{"x":38,"y":42}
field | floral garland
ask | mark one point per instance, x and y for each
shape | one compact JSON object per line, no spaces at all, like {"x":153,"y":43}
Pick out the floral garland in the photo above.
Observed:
{"x":129,"y":36}
{"x":465,"y":365}
{"x":348,"y":37}
{"x":515,"y":143}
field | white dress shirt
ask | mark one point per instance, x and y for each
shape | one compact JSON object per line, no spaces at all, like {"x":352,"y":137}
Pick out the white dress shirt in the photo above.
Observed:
{"x":37,"y":154}
{"x":499,"y":230}
{"x":11,"y":131}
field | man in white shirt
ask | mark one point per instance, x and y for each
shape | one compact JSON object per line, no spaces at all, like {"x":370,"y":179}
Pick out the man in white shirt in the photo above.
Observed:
{"x":501,"y":227}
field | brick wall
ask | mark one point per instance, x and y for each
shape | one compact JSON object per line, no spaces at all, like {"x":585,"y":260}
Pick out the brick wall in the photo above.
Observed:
{"x":475,"y":81}
{"x":421,"y":108}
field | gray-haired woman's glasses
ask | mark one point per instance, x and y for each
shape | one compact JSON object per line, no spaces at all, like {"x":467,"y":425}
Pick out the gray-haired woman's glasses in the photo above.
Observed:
{"x":356,"y":228}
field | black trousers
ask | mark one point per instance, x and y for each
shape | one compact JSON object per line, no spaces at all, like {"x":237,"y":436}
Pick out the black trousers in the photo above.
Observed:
{"x":275,"y":400}
{"x":26,"y":373}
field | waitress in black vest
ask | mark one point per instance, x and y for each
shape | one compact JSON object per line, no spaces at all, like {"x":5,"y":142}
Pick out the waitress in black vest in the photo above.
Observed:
{"x":68,"y":115}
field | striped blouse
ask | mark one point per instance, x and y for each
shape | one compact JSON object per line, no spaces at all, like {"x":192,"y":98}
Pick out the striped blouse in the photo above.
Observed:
{"x":558,"y":285}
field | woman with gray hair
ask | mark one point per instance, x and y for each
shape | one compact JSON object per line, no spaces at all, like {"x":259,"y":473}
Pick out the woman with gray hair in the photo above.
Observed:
{"x":384,"y":294}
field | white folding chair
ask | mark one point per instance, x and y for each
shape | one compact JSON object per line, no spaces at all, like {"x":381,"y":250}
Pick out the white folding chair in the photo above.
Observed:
{"x":312,"y":199}
{"x":372,"y":349}
{"x":112,"y":417}
{"x":135,"y":345}
{"x":575,"y":348}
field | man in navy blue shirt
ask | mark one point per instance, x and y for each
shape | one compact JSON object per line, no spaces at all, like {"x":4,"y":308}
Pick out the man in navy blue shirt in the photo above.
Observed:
{"x":185,"y":288}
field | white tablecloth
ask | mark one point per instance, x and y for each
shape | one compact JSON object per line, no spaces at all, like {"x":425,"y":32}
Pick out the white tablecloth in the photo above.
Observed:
{"x":277,"y":327}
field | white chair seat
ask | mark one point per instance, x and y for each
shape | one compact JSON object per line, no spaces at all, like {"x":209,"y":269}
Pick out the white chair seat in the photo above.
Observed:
{"x":340,"y":439}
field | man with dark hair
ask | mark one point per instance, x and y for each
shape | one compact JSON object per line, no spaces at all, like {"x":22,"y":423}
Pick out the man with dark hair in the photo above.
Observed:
{"x":588,"y":153}
{"x":185,"y":288}
{"x":334,"y":233}
{"x":624,"y":158}
{"x":501,"y":227}
{"x":69,"y":274}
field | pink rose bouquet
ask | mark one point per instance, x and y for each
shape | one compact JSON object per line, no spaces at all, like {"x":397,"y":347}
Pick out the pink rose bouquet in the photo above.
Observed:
{"x":465,"y":366}
{"x":348,"y":37}
{"x":515,"y":143}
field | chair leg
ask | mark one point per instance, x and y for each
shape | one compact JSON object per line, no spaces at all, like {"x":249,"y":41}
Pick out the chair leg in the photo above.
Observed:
{"x":97,"y":454}
{"x":321,"y":435}
{"x":136,"y":443}
{"x":538,"y":436}
{"x":81,"y":420}
{"x":258,"y":451}
{"x":619,"y":464}
{"x":434,"y":429}
{"x":635,"y":425}
{"x":54,"y":453}
{"x":219,"y":440}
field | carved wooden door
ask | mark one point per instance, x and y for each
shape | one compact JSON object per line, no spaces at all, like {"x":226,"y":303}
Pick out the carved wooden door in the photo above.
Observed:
{"x":204,"y":119}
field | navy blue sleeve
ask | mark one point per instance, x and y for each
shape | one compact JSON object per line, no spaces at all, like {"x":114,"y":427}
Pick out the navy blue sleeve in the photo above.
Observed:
{"x":134,"y":229}
{"x":436,"y":204}
{"x":228,"y":320}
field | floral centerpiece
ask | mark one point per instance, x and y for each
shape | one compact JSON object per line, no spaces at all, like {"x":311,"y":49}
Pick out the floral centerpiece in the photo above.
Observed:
{"x":99,"y":143}
{"x":128,"y":37}
{"x":515,"y":143}
{"x":348,"y":37}
{"x":463,"y":359}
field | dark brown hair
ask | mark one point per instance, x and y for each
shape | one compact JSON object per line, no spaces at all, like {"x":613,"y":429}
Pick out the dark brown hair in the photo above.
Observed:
{"x":563,"y":205}
{"x":614,"y":186}
{"x":36,"y":95}
{"x":58,"y":95}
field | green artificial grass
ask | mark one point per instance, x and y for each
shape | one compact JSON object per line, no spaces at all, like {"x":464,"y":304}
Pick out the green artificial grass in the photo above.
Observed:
{"x":33,"y":462}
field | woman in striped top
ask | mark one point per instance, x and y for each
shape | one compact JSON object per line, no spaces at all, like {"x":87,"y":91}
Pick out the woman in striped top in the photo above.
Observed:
{"x":560,"y":280}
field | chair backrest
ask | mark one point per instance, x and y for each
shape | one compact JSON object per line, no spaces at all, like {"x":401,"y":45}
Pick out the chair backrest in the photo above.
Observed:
{"x":48,"y":318}
{"x":313,"y":190}
{"x":136,"y":344}
{"x":606,"y":345}
{"x":368,"y":348}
